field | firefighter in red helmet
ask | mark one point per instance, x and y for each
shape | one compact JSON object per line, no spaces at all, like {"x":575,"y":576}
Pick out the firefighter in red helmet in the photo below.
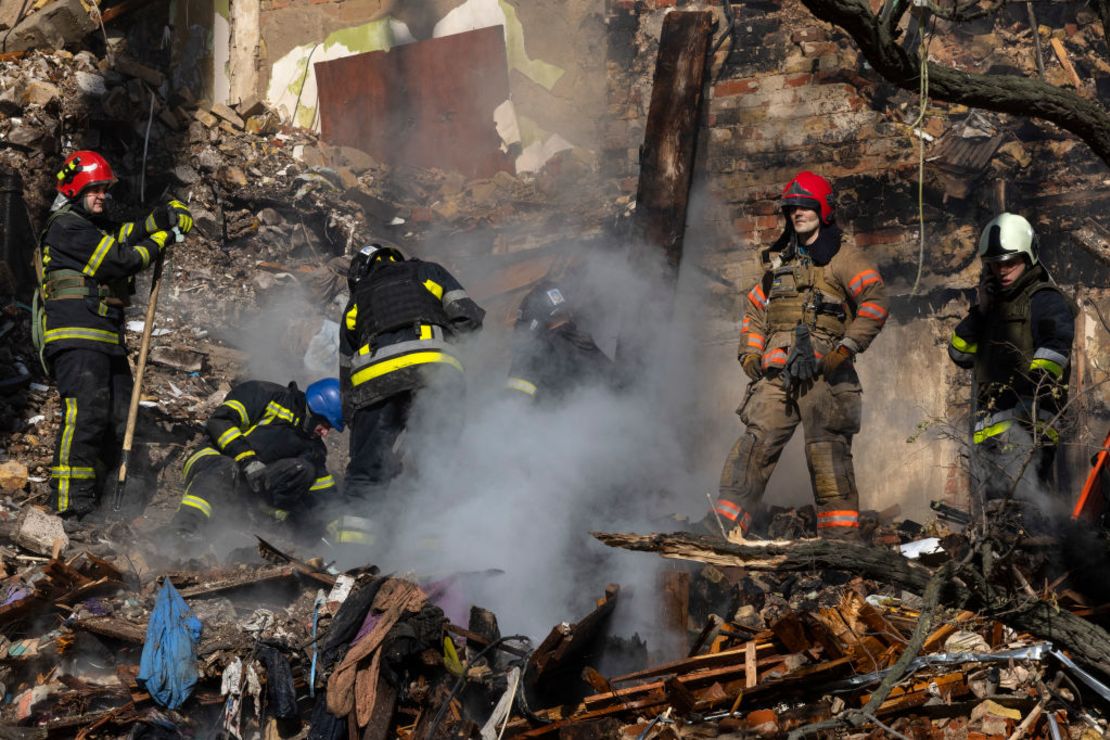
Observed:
{"x":819,"y":303}
{"x":89,"y":264}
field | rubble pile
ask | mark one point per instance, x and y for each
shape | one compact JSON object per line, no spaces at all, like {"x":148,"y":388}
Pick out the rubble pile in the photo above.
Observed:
{"x":289,"y":648}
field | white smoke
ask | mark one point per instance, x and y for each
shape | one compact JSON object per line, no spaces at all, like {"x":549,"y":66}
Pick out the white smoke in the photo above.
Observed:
{"x":525,"y":484}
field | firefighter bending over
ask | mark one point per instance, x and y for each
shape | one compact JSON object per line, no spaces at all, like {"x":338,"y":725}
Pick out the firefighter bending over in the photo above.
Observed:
{"x":1017,"y":340}
{"x":264,"y":459}
{"x":395,"y":340}
{"x":551,"y":355}
{"x":819,"y":303}
{"x":89,"y":265}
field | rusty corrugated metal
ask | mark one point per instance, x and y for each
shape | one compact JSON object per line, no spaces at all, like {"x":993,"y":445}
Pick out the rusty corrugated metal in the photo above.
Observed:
{"x":426,"y":104}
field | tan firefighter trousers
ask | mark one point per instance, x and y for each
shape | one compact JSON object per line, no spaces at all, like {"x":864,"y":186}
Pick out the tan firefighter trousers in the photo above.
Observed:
{"x":830,"y":416}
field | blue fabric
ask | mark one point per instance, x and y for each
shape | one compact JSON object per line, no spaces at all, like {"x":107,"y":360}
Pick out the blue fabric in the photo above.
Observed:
{"x":168,"y":669}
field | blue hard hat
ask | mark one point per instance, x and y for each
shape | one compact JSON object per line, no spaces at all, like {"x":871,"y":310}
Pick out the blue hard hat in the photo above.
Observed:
{"x":324,"y":400}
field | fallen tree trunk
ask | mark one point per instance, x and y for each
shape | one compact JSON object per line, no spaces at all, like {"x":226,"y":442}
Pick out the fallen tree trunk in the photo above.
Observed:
{"x":1087,"y":642}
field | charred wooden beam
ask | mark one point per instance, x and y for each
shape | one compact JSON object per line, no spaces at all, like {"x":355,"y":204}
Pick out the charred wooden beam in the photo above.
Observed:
{"x":670,"y":138}
{"x":1088,"y":643}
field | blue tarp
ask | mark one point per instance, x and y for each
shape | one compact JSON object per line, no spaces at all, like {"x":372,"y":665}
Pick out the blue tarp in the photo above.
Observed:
{"x":168,"y":669}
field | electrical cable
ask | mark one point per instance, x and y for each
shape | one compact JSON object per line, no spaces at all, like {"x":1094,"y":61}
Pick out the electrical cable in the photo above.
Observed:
{"x":917,"y":127}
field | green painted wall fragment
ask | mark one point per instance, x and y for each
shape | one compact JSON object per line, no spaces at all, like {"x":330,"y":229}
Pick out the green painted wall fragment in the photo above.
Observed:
{"x":536,"y":70}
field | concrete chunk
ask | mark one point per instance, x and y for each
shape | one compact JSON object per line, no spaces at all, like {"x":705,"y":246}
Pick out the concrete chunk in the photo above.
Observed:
{"x":13,"y":476}
{"x":227,"y":114}
{"x":131,"y":68}
{"x":60,"y":23}
{"x":37,"y":531}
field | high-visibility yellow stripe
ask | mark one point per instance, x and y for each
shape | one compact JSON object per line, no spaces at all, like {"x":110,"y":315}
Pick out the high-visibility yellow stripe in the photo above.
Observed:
{"x":77,"y":332}
{"x":993,"y":430}
{"x":227,"y":437}
{"x":961,"y":345}
{"x":239,"y":408}
{"x":276,"y":409}
{"x":351,"y":318}
{"x":323,"y":482}
{"x":65,"y":471}
{"x":144,"y":253}
{"x":125,"y":230}
{"x":425,"y":331}
{"x":399,"y":363}
{"x":197,"y":503}
{"x":434,"y":288}
{"x":522,"y":385}
{"x":69,"y":422}
{"x":203,"y":452}
{"x":1053,"y":367}
{"x":244,"y":455}
{"x":160,"y":238}
{"x":348,"y":536}
{"x":98,"y":255}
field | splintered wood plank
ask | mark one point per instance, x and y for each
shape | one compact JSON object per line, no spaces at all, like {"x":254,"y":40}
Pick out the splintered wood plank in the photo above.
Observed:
{"x":751,"y":672}
{"x":698,"y":662}
{"x":934,"y":641}
{"x":250,"y":578}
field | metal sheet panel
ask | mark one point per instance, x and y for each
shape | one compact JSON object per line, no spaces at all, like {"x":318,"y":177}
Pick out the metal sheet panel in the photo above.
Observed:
{"x":426,"y":104}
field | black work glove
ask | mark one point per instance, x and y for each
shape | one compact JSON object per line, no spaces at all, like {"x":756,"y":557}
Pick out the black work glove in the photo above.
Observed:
{"x":752,"y":365}
{"x":986,"y":290}
{"x":254,"y":472}
{"x":801,"y":363}
{"x":835,"y":359}
{"x":173,"y":214}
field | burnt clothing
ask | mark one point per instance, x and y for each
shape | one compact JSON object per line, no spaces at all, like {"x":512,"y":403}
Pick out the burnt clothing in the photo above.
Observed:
{"x":838,"y":295}
{"x":88,"y":271}
{"x":829,"y":413}
{"x":267,"y":422}
{"x":548,"y":364}
{"x":398,"y":324}
{"x":1020,"y":353}
{"x":95,"y":390}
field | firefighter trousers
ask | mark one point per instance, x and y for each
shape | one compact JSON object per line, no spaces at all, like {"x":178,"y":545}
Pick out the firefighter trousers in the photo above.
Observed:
{"x":374,"y":432}
{"x":95,"y":390}
{"x":830,"y":415}
{"x":215,"y":490}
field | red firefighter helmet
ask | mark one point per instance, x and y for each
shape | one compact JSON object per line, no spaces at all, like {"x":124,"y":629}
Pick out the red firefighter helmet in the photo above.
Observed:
{"x":81,"y":170}
{"x":810,"y":191}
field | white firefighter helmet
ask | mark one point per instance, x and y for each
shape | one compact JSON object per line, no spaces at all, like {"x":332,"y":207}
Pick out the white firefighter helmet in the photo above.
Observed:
{"x":1008,"y":236}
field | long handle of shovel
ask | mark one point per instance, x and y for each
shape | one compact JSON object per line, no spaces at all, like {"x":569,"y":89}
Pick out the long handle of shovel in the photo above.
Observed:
{"x":137,"y":388}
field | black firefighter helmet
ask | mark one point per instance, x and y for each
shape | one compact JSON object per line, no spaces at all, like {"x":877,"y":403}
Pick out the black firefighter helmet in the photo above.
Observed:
{"x":374,"y":253}
{"x":544,"y":306}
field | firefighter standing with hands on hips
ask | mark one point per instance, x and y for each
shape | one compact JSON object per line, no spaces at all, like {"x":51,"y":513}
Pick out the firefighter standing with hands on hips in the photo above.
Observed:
{"x":89,"y":265}
{"x":819,"y":303}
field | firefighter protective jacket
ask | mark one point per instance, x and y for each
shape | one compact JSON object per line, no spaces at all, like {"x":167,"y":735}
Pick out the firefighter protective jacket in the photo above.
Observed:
{"x":398,"y":325}
{"x":264,"y":421}
{"x":88,"y":277}
{"x":831,"y":287}
{"x":548,"y":364}
{"x":1019,"y":351}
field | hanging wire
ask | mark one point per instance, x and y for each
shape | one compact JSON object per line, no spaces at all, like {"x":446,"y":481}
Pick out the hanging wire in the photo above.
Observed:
{"x":919,"y":131}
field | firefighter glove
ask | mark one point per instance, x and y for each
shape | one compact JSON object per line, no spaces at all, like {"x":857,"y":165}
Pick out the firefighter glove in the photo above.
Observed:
{"x":254,"y":472}
{"x":752,"y":366}
{"x":984,"y":293}
{"x":835,"y":359}
{"x":168,"y":217}
{"x":801,"y":364}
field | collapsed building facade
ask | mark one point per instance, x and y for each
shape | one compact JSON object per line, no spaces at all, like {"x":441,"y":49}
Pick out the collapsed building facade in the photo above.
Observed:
{"x":507,"y":141}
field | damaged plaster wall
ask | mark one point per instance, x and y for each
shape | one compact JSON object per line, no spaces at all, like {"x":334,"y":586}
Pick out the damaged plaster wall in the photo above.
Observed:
{"x":201,"y":49}
{"x":554,"y":51}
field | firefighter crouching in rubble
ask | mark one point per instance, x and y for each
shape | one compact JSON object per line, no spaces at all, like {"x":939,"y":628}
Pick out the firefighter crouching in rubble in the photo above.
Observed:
{"x":264,"y":456}
{"x":551,"y":355}
{"x":396,"y":339}
{"x":819,"y":303}
{"x":1017,"y":340}
{"x":89,"y":266}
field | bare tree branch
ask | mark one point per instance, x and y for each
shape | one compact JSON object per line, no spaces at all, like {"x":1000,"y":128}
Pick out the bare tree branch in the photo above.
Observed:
{"x":1013,"y":94}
